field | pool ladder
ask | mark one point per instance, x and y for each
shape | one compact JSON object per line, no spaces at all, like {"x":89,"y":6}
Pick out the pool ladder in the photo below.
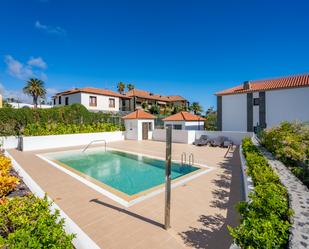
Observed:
{"x":93,"y":141}
{"x":184,"y":159}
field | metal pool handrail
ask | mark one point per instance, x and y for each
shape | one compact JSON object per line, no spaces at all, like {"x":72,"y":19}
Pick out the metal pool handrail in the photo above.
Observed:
{"x":191,"y":159}
{"x":99,"y":140}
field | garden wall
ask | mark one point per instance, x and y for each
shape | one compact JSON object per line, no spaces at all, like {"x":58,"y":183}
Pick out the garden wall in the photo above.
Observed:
{"x":178,"y":136}
{"x":188,"y":137}
{"x":67,"y":140}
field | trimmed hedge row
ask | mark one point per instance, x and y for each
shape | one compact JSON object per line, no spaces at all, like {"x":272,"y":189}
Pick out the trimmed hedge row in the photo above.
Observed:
{"x":265,"y":218}
{"x":14,"y":122}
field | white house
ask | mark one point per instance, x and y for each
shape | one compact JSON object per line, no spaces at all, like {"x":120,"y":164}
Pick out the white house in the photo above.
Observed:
{"x":139,"y":125}
{"x":263,"y":103}
{"x":94,"y":99}
{"x":184,"y":121}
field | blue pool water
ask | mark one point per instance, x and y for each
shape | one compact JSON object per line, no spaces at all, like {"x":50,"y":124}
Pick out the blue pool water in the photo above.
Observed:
{"x":125,"y":172}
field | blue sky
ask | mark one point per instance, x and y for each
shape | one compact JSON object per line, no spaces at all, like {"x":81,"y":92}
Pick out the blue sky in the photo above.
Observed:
{"x":190,"y":48}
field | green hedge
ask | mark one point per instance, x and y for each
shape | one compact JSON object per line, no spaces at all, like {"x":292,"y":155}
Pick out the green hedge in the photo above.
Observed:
{"x":26,"y":222}
{"x":15,"y":122}
{"x":38,"y":129}
{"x":289,"y":142}
{"x":265,"y":218}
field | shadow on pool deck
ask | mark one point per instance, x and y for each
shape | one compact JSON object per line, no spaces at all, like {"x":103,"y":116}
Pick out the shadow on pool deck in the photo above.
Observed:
{"x":137,"y":216}
{"x":214,"y":232}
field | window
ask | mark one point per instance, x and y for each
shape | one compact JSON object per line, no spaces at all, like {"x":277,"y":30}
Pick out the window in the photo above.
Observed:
{"x":256,"y":101}
{"x":177,"y":127}
{"x":54,"y":101}
{"x":149,"y":126}
{"x":111,"y":103}
{"x":92,"y":100}
{"x":59,"y":100}
{"x":66,"y":101}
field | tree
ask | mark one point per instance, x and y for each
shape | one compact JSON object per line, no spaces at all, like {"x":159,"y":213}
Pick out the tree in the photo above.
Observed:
{"x":155,"y":109}
{"x":211,"y":119}
{"x":36,"y":89}
{"x":120,"y":87}
{"x":130,"y":87}
{"x":196,"y":108}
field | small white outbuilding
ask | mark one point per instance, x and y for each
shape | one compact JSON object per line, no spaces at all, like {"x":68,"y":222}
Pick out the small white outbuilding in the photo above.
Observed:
{"x":184,"y":121}
{"x":139,"y":125}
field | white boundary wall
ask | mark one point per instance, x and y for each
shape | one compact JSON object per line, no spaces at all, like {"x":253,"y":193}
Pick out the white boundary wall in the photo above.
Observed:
{"x":188,"y":137}
{"x":178,"y":136}
{"x":235,"y":136}
{"x":10,"y":142}
{"x":67,"y":140}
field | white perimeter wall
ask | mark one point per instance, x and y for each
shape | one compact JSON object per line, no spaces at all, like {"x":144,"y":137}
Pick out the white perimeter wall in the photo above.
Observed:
{"x":287,"y":105}
{"x":188,"y":137}
{"x":178,"y":136}
{"x":58,"y":141}
{"x":235,"y":136}
{"x":234,"y":112}
{"x":10,"y":142}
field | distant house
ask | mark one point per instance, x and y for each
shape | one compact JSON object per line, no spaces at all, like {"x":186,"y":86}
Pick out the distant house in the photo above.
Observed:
{"x":184,"y":121}
{"x":94,"y":99}
{"x":141,"y":99}
{"x":263,"y":103}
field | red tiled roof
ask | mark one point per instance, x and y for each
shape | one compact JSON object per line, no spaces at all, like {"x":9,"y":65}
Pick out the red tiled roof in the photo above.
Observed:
{"x":149,"y":95}
{"x":184,"y":116}
{"x":269,"y":84}
{"x":139,"y":114}
{"x":92,"y":90}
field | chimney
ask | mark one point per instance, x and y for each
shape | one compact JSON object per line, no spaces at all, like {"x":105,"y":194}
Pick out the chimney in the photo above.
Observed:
{"x":246,"y":85}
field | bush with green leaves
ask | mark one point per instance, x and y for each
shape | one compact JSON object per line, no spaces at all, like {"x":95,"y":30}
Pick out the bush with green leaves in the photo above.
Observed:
{"x":289,"y":142}
{"x":14,"y":122}
{"x":27,"y":222}
{"x":265,"y":218}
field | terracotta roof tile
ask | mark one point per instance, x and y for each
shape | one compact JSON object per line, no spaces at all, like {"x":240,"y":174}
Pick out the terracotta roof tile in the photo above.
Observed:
{"x":269,"y":84}
{"x":149,"y":95}
{"x":92,"y":90}
{"x":184,"y":116}
{"x":139,"y":114}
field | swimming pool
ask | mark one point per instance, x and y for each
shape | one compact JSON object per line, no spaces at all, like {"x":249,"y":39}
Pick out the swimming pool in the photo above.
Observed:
{"x":122,"y":176}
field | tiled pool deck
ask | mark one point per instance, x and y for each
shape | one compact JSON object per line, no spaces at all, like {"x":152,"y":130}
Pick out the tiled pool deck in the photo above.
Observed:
{"x":200,"y":211}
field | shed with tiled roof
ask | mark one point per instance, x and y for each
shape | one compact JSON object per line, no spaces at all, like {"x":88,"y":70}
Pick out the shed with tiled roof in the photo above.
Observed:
{"x":139,"y":125}
{"x":184,"y":121}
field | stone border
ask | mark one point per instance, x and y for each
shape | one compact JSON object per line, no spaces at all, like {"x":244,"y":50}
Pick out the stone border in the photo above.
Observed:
{"x":247,"y":180}
{"x":298,"y":195}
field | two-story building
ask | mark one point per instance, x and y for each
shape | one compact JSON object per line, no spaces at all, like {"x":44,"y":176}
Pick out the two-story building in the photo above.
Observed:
{"x":94,"y":99}
{"x":140,"y":99}
{"x":263,"y":103}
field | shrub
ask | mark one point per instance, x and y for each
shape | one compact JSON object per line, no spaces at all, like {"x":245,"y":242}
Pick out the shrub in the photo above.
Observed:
{"x":26,"y":222}
{"x":7,"y":182}
{"x":265,"y":218}
{"x":289,"y":142}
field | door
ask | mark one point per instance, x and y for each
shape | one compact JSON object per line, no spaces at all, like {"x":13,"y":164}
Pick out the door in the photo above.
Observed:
{"x":145,"y":131}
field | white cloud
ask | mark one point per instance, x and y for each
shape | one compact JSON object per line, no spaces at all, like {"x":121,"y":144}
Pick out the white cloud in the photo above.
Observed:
{"x":16,"y":94}
{"x":50,"y":29}
{"x":37,"y":62}
{"x":23,"y":71}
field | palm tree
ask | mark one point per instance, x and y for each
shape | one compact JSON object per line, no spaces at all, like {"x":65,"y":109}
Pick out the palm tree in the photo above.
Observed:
{"x":35,"y":88}
{"x":130,"y":87}
{"x":120,"y":87}
{"x":196,"y":108}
